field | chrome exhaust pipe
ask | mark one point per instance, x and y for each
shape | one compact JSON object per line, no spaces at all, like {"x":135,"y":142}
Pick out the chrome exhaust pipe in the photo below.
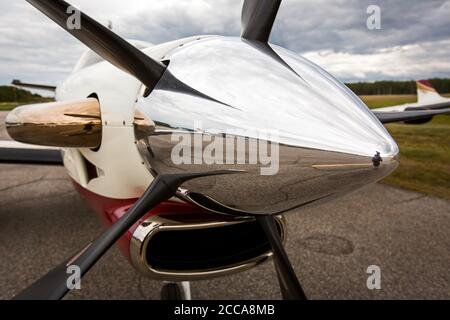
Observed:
{"x":186,"y":248}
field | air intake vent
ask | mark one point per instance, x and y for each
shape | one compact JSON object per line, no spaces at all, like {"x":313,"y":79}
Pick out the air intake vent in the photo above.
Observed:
{"x":176,"y":250}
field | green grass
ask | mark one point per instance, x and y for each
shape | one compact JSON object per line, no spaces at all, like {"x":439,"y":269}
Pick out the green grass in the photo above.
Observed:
{"x":7,"y":106}
{"x":385,"y":101}
{"x":424,"y":150}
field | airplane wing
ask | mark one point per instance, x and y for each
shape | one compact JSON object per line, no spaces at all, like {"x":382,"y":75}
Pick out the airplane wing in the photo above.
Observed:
{"x":21,"y":84}
{"x":21,"y":153}
{"x":416,"y":106}
{"x":416,"y":116}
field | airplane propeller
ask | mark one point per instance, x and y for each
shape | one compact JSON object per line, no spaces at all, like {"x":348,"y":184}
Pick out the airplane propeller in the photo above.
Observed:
{"x":115,"y":49}
{"x":258,"y":17}
{"x":257,"y":21}
{"x":54,"y":285}
{"x":104,"y":42}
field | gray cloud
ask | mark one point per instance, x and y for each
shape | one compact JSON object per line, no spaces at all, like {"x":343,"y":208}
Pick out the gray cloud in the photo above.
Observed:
{"x":414,"y":40}
{"x":341,"y":25}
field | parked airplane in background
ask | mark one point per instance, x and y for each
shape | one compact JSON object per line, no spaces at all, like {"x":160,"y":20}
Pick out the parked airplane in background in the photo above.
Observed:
{"x":115,"y":118}
{"x":428,"y":99}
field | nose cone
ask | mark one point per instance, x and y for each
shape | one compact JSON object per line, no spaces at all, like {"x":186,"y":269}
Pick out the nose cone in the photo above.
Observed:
{"x":329,"y":143}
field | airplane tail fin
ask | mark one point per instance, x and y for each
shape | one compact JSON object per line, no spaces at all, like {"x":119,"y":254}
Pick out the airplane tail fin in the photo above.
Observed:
{"x":426,"y":93}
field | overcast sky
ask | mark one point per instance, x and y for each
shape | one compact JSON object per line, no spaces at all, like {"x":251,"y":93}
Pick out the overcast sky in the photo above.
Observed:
{"x":413,"y":42}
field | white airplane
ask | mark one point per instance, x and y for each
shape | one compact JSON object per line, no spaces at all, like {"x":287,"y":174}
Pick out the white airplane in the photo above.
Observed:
{"x":428,"y":99}
{"x":121,"y":113}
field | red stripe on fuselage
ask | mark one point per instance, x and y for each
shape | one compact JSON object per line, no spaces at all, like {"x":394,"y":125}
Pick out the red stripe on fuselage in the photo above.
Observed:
{"x":110,"y":210}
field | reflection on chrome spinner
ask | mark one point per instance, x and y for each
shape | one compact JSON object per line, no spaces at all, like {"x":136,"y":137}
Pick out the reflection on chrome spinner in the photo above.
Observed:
{"x":327,"y":136}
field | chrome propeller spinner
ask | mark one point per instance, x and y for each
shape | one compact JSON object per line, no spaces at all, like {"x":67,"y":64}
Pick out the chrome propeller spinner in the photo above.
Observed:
{"x":312,"y":138}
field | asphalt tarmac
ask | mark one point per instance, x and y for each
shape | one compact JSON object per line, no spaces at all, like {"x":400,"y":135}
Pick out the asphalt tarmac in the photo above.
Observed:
{"x":43,"y":221}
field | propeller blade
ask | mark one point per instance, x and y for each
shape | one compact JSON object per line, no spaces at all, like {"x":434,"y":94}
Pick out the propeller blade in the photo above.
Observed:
{"x":116,"y":50}
{"x":289,"y":284}
{"x":104,"y":42}
{"x":54,"y":285}
{"x":257,"y":19}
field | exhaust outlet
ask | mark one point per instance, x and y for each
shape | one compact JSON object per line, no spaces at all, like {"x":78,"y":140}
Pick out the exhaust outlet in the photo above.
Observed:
{"x":186,"y":248}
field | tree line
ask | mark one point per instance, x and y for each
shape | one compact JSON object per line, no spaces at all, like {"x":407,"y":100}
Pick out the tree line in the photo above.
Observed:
{"x":396,"y":87}
{"x":13,"y":94}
